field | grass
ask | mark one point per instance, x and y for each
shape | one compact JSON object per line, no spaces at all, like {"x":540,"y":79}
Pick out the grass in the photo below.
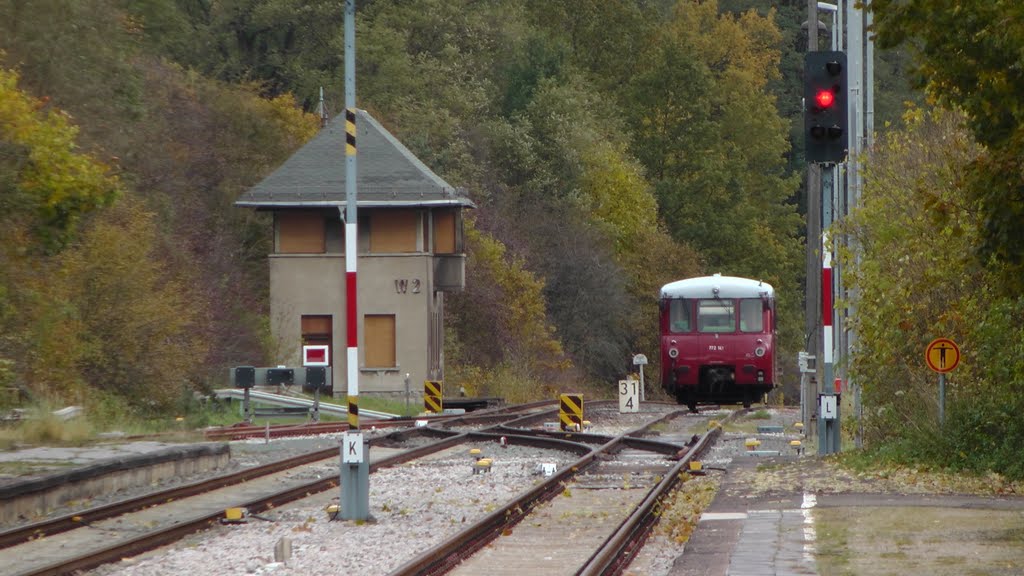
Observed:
{"x":42,"y":427}
{"x":19,"y":468}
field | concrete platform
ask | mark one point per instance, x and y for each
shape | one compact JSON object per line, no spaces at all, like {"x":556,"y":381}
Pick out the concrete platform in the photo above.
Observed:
{"x":39,"y":480}
{"x":792,"y":531}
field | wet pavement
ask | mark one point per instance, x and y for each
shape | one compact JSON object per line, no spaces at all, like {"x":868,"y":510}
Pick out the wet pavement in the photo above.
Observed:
{"x":798,"y":533}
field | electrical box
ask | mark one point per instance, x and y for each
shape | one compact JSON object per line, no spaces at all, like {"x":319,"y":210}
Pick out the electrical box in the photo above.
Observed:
{"x":278,"y":376}
{"x":245,"y":376}
{"x":316,"y":379}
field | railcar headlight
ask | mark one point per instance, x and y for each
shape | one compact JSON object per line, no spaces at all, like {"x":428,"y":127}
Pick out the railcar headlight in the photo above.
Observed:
{"x":673,"y":352}
{"x":759,"y":351}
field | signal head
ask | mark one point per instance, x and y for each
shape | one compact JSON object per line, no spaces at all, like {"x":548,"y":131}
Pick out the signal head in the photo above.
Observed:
{"x":824,"y":98}
{"x":825,"y":108}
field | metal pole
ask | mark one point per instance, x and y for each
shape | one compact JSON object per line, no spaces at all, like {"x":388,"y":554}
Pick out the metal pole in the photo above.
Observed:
{"x":828,"y":430}
{"x":869,"y":79}
{"x":355,"y":477}
{"x":855,"y":60}
{"x":812,"y":291}
{"x":942,"y":398}
{"x":642,"y":383}
{"x":351,"y":236}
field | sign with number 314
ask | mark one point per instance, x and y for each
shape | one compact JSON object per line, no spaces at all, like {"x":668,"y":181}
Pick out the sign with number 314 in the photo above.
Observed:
{"x":629,"y":396}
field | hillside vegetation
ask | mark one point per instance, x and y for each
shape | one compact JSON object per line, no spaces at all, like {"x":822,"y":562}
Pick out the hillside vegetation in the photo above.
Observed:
{"x":599,"y":178}
{"x":611,"y":147}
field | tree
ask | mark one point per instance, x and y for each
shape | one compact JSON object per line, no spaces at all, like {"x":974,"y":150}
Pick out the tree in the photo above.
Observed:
{"x":47,"y":187}
{"x":503,"y":320}
{"x":911,"y":285}
{"x":707,"y":131}
{"x":48,"y":183}
{"x":916,"y":280}
{"x":137,"y":316}
{"x":968,"y":57}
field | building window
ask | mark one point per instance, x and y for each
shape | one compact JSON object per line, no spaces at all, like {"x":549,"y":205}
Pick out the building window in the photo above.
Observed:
{"x":379,"y":340}
{"x":444,"y":232}
{"x":394,"y":231}
{"x":300,"y":232}
{"x":316,"y":331}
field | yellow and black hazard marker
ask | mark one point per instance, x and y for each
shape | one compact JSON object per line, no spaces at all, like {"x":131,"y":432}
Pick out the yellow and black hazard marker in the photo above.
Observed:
{"x":432,"y":396}
{"x":570,"y":412}
{"x":353,"y":412}
{"x":350,"y":131}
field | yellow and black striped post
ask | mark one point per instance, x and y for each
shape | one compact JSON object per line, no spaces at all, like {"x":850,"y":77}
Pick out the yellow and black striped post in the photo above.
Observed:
{"x":570,"y":412}
{"x":350,"y":131}
{"x":432,"y":396}
{"x":353,"y":412}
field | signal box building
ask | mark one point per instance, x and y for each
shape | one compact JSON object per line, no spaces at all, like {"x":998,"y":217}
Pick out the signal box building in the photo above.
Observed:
{"x":410,"y":254}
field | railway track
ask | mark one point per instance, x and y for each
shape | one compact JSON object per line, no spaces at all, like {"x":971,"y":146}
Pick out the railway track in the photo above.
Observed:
{"x":644,"y":457}
{"x":481,"y":417}
{"x":589,"y":519}
{"x":95,"y":536}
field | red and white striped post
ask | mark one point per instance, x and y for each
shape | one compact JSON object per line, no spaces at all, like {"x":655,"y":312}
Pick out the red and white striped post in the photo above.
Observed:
{"x":351,"y":295}
{"x":828,"y":411}
{"x":826,"y":307}
{"x":355,"y":468}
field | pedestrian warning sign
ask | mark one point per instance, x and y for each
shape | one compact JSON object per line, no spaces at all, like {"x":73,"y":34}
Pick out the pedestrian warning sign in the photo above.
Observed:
{"x":942,"y":355}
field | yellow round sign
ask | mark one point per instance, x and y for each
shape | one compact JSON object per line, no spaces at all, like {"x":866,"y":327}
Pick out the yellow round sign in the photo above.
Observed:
{"x":942,"y":355}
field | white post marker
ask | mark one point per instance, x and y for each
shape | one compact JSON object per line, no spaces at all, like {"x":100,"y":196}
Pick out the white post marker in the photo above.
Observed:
{"x":352,"y":448}
{"x":640,"y":360}
{"x":829,"y":408}
{"x":629,"y":396}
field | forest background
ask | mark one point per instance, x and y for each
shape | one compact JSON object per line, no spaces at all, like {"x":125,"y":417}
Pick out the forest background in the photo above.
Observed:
{"x":611,"y":147}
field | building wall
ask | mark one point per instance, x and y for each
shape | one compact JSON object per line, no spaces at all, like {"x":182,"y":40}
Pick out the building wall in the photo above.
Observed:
{"x":399,"y":285}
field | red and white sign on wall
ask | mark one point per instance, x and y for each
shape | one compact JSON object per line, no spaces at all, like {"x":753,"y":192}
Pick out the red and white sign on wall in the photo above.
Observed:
{"x":315,"y":356}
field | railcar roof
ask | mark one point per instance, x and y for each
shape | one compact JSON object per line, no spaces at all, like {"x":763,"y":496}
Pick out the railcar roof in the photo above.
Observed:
{"x":728,"y":287}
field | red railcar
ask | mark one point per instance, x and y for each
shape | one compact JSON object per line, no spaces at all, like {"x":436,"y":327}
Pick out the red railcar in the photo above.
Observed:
{"x":717,"y":340}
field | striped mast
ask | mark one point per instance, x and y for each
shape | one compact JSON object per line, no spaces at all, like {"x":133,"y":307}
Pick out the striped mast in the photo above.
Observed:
{"x":351,"y":238}
{"x":355,"y":468}
{"x":826,"y":310}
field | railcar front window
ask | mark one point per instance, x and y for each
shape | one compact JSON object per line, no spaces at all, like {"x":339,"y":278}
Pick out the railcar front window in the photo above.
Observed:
{"x":679,"y":316}
{"x":751,"y":316}
{"x":716,"y":316}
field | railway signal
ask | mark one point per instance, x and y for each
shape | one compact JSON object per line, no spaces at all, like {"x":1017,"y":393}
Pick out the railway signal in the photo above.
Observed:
{"x":825,"y":109}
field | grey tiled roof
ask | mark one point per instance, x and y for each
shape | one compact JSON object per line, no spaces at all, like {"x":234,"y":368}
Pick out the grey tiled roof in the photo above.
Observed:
{"x":387,"y":173}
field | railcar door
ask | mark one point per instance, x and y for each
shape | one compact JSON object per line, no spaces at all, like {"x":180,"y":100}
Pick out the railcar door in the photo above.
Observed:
{"x":716,"y":323}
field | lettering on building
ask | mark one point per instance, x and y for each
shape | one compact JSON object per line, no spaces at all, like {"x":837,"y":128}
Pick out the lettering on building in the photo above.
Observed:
{"x":405,"y":286}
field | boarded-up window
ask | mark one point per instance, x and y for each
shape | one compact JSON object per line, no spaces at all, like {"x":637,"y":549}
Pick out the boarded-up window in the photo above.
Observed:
{"x":444,"y":232}
{"x":393,"y":231}
{"x":316,"y":328}
{"x":300,"y":233}
{"x":379,"y":340}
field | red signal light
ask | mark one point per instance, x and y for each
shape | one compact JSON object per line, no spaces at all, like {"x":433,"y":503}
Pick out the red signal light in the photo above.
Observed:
{"x":824,"y":98}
